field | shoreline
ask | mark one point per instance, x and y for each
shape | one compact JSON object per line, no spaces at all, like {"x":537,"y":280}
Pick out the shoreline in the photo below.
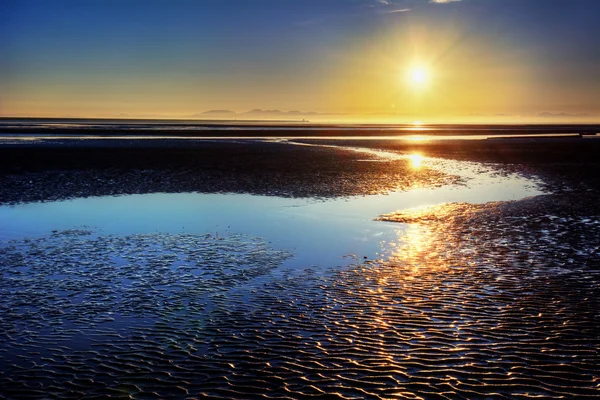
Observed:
{"x":275,"y":128}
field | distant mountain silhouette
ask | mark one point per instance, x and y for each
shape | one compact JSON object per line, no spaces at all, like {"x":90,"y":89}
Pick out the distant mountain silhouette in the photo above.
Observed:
{"x":217,"y":112}
{"x":561,"y":114}
{"x":258,"y":111}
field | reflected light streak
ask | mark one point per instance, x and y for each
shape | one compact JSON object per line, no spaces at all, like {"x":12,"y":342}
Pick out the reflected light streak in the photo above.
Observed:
{"x":418,"y":126}
{"x":421,"y":248}
{"x":416,"y":160}
{"x":417,"y":138}
{"x":417,"y":254}
{"x":414,"y":254}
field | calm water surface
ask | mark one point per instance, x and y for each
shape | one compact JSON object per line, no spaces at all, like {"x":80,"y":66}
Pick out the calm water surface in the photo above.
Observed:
{"x":318,"y":232}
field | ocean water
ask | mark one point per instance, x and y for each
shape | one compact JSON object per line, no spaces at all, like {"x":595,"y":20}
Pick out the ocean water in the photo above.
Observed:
{"x":52,"y":126}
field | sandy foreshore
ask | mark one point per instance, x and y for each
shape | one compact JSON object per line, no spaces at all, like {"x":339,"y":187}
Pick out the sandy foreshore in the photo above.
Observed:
{"x":42,"y":171}
{"x":45,"y":170}
{"x":496,"y":300}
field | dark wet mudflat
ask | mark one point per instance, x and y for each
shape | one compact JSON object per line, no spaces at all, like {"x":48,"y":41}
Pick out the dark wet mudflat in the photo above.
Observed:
{"x":454,"y":314}
{"x":56,"y":170}
{"x":565,"y":164}
{"x":496,"y":300}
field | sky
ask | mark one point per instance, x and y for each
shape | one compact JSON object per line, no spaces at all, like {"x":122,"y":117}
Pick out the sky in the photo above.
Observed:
{"x":479,"y":60}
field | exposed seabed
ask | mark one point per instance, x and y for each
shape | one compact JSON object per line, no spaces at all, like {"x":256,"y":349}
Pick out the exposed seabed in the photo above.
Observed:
{"x":234,"y":296}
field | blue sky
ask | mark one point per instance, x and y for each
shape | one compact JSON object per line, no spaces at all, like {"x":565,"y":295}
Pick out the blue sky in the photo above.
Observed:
{"x":180,"y":57}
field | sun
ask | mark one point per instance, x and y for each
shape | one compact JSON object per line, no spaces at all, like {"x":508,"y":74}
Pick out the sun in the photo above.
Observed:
{"x":418,"y":76}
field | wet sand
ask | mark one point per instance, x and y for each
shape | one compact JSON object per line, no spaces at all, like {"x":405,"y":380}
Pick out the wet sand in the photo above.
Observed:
{"x":449,"y":317}
{"x":57,"y":169}
{"x":496,"y":300}
{"x":565,"y":164}
{"x":54,"y":170}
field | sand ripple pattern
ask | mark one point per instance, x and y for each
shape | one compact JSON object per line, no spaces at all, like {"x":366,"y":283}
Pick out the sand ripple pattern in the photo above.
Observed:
{"x":183,"y":316}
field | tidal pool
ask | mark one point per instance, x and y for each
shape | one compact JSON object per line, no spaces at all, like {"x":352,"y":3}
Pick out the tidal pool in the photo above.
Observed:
{"x":231,"y":295}
{"x":323,"y":233}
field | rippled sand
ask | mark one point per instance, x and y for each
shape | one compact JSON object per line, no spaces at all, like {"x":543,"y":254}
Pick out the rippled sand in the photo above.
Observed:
{"x":497,"y":300}
{"x":501,"y":309}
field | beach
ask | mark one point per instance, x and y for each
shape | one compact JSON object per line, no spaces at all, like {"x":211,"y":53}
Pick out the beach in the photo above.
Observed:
{"x":294,"y":268}
{"x":334,"y":199}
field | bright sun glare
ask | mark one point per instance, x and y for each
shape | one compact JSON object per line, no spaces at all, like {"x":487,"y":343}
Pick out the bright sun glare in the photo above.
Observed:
{"x":416,"y":160}
{"x":418,"y":76}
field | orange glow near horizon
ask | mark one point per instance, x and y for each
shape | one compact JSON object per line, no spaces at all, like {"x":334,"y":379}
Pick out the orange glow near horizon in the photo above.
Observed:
{"x":421,"y":68}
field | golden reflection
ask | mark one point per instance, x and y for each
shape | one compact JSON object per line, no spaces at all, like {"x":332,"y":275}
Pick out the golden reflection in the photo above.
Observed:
{"x":445,"y":212}
{"x":417,"y":256}
{"x":422,"y":247}
{"x":414,"y":244}
{"x":414,"y":255}
{"x":416,"y":160}
{"x":418,"y":126}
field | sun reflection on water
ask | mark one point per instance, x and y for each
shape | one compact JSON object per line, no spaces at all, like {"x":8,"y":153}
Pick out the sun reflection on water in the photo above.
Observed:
{"x":417,"y":138}
{"x":416,"y":160}
{"x":422,"y":246}
{"x":413,"y":247}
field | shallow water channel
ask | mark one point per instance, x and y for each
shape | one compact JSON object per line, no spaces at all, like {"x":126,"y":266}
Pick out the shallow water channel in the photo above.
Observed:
{"x":319,"y":232}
